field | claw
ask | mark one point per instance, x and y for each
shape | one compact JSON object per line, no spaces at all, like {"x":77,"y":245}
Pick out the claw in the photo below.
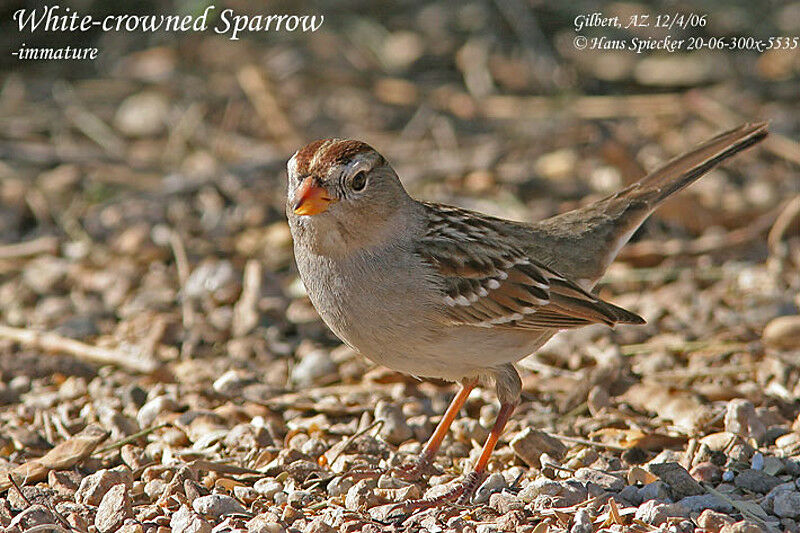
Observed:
{"x":366,"y":472}
{"x":470,"y":484}
{"x":414,"y":470}
{"x":460,"y":494}
{"x":407,"y":472}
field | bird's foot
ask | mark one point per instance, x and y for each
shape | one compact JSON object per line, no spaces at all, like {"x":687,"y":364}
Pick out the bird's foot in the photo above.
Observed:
{"x":365,"y":472}
{"x":412,"y":471}
{"x":459,"y":494}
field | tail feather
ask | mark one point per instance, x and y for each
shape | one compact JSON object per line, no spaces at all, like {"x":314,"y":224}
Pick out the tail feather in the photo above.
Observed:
{"x":684,"y":170}
{"x":606,"y":225}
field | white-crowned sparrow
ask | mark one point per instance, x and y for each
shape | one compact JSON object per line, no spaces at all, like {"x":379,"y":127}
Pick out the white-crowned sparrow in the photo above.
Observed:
{"x":442,"y":292}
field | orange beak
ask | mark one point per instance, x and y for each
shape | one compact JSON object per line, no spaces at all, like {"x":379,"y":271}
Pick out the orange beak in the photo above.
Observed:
{"x":311,"y":198}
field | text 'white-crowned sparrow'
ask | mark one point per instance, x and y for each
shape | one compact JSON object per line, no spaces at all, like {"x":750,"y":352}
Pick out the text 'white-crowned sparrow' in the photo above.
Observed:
{"x":442,"y":292}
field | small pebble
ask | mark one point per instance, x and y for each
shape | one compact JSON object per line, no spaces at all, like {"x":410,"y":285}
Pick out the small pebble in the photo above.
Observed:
{"x":707,"y":472}
{"x":504,"y":503}
{"x":757,"y":462}
{"x":35,"y":515}
{"x":150,"y":410}
{"x":268,"y":487}
{"x":339,"y":486}
{"x":94,"y":486}
{"x":601,"y":479}
{"x":394,"y":429}
{"x":657,"y":490}
{"x":783,"y":333}
{"x":142,"y":114}
{"x":316,"y":367}
{"x":114,"y":509}
{"x":741,"y":419}
{"x":493,"y":483}
{"x":756,"y":481}
{"x":184,"y":520}
{"x":216,"y":505}
{"x":713,"y":521}
{"x":582,"y":522}
{"x":529,"y":444}
{"x":787,"y":504}
{"x":656,"y":513}
{"x":264,"y":523}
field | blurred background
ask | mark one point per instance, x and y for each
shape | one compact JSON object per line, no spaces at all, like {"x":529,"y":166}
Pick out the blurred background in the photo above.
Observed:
{"x":142,"y":205}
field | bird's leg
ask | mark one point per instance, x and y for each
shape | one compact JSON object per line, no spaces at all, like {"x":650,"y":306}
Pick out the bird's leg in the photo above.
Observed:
{"x":473,"y":478}
{"x":508,"y":385}
{"x":462,"y":492}
{"x":424,"y":462}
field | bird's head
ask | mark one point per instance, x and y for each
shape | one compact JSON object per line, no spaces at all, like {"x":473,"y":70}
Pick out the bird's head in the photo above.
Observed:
{"x":342,"y":192}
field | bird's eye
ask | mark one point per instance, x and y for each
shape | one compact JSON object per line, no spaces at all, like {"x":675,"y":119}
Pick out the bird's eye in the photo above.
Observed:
{"x":359,"y":181}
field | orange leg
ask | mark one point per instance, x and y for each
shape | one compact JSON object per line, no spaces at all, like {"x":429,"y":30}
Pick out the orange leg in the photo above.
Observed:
{"x":462,"y":493}
{"x":473,"y":478}
{"x":416,"y":468}
{"x":425,"y":460}
{"x":433,"y":444}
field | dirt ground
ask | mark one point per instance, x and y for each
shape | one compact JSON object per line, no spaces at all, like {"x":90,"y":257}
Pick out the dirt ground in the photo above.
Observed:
{"x":161,"y":368}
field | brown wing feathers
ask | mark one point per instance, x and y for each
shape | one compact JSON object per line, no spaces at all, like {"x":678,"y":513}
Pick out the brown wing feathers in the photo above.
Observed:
{"x":497,"y":285}
{"x":490,"y":283}
{"x":568,"y":301}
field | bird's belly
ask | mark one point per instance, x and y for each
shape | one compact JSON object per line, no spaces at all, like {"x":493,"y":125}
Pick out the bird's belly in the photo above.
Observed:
{"x":391,"y":319}
{"x":427,"y":348}
{"x":457,"y":352}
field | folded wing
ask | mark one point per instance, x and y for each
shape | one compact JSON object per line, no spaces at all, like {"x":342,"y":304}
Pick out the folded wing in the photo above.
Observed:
{"x":488,"y":282}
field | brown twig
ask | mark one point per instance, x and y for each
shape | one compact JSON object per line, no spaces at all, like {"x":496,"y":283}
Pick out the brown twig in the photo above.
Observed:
{"x":52,"y":342}
{"x":21,"y":250}
{"x":656,"y":249}
{"x":784,"y":222}
{"x":689,"y":346}
{"x":587,"y":107}
{"x":695,"y":373}
{"x":661,"y":275}
{"x":18,"y":489}
{"x":587,"y":442}
{"x":184,"y":270}
{"x":245,"y":311}
{"x":260,"y":93}
{"x":352,"y":439}
{"x":88,"y":123}
{"x":129,"y":439}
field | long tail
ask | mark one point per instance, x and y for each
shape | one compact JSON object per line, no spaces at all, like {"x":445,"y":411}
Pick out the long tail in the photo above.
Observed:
{"x":610,"y":222}
{"x":685,"y":169}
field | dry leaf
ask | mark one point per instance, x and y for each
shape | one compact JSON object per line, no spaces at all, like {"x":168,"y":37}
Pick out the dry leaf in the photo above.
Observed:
{"x":638,"y":474}
{"x":636,"y":438}
{"x":684,"y":408}
{"x":542,"y":527}
{"x":227,"y":484}
{"x":63,"y":456}
{"x":613,"y":514}
{"x":563,"y":518}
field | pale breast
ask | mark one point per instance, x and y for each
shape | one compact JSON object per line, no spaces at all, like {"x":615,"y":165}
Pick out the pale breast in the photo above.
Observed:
{"x":379,"y":304}
{"x":385,"y":309}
